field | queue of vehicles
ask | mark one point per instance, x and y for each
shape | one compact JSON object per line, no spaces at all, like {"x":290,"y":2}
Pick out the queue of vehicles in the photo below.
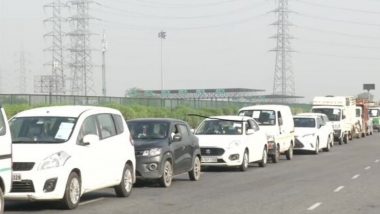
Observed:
{"x":63,"y":152}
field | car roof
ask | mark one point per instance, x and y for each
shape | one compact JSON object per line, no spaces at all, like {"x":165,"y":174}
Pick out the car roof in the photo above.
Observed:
{"x":311,"y":114}
{"x":230,"y":117}
{"x":305,"y":116}
{"x":63,"y":111}
{"x":265,"y":107}
{"x":156,"y":119}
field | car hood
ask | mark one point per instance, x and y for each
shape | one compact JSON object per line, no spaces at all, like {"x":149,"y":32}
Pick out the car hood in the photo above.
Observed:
{"x":217,"y":140}
{"x":304,"y":131}
{"x":148,"y":144}
{"x":36,"y":152}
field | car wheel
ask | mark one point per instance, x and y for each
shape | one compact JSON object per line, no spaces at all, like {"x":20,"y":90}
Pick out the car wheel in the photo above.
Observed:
{"x":167,"y":176}
{"x":341,"y":140}
{"x":244,"y":165}
{"x":289,"y":153}
{"x":195,"y":173}
{"x":316,"y":151}
{"x":346,"y":138}
{"x":1,"y":201}
{"x":72,"y":192}
{"x":124,"y":189}
{"x":327,"y":149}
{"x":276,"y":156}
{"x":264,"y":160}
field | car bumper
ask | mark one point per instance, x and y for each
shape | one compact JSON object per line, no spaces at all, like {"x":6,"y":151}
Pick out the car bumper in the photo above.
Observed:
{"x":32,"y":183}
{"x":304,"y":144}
{"x":144,"y":167}
{"x":229,"y":158}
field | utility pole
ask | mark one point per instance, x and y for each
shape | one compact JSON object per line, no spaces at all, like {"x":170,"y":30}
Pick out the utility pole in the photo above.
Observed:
{"x":80,"y":51}
{"x":104,"y":49}
{"x":162,"y":36}
{"x":283,"y":83}
{"x":57,"y":80}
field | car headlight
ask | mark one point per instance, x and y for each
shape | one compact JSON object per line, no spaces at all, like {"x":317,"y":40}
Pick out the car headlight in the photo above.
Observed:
{"x":233,"y":144}
{"x":270,"y":138}
{"x":152,"y":152}
{"x":55,"y":160}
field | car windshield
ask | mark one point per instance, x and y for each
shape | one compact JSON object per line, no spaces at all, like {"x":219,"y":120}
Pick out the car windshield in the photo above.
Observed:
{"x":220,"y":127}
{"x":332,"y":113}
{"x":149,"y":130}
{"x":41,"y":129}
{"x":304,"y":122}
{"x":374,"y":112}
{"x":263,"y":117}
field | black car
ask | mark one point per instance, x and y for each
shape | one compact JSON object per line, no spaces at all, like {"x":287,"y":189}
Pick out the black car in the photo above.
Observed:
{"x":165,"y":148}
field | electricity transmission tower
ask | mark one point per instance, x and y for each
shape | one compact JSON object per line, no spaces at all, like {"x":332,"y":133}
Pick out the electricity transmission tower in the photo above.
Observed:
{"x":82,"y":82}
{"x":284,"y":83}
{"x":57,"y":80}
{"x":104,"y":50}
{"x":22,"y":71}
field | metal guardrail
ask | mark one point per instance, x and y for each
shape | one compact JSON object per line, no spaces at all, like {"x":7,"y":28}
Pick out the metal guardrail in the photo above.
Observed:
{"x":42,"y":99}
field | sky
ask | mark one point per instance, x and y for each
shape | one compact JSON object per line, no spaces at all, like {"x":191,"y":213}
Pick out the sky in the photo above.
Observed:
{"x":209,"y":44}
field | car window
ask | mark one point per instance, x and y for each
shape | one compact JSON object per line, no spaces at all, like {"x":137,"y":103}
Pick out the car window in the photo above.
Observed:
{"x":2,"y":125}
{"x":254,"y":125}
{"x":89,"y":126}
{"x":183,"y":130}
{"x":321,"y":121}
{"x":119,"y":123}
{"x":106,"y":126}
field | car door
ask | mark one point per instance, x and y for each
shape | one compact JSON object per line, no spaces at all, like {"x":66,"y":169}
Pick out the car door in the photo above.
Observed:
{"x":253,"y":140}
{"x":178,"y":148}
{"x":282,"y":130}
{"x":5,"y":150}
{"x":189,"y":147}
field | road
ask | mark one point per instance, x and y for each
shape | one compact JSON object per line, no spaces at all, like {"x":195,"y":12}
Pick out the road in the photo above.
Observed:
{"x":344,"y":180}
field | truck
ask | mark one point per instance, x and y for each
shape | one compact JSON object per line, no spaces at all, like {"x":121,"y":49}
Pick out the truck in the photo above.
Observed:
{"x":5,"y":158}
{"x":374,"y":114}
{"x":364,"y":125}
{"x":341,"y":111}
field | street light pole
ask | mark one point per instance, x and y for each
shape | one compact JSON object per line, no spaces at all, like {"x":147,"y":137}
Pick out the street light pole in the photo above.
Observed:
{"x":162,"y":36}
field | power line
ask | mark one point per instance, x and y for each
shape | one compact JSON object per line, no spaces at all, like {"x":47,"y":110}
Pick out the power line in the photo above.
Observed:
{"x":338,"y":8}
{"x":337,"y":33}
{"x":156,"y":4}
{"x":339,"y":56}
{"x":338,"y":20}
{"x":340,"y":44}
{"x":144,"y":15}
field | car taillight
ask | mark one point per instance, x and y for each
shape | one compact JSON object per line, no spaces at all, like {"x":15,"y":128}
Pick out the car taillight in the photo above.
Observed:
{"x":131,"y":141}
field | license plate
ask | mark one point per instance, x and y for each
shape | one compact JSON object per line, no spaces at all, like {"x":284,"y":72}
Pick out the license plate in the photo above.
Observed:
{"x":209,"y":159}
{"x":16,"y":177}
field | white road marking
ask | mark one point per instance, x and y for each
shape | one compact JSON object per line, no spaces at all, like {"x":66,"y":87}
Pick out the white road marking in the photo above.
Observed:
{"x":338,"y":189}
{"x":355,"y":176}
{"x":377,"y":161}
{"x":91,"y":201}
{"x":314,"y":206}
{"x":367,"y":168}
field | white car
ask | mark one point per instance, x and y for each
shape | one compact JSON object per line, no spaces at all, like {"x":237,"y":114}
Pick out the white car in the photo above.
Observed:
{"x":232,"y":141}
{"x":62,"y":152}
{"x":5,"y":158}
{"x":311,"y":133}
{"x":328,"y":125}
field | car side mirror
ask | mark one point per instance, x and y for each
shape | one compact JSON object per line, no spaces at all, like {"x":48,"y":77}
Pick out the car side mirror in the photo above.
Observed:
{"x":250,"y":131}
{"x":192,"y":131}
{"x":177,"y":137}
{"x":343,"y":117}
{"x":89,"y":139}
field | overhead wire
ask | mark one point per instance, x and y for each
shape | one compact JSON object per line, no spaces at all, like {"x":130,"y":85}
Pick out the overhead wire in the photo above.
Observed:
{"x":338,"y":8}
{"x":155,"y":4}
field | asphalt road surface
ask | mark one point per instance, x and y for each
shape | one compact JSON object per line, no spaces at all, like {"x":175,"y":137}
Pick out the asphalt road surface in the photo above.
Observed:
{"x":345,"y":180}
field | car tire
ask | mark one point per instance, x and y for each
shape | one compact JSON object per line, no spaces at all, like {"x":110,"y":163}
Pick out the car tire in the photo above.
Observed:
{"x":124,"y":189}
{"x":276,"y":156}
{"x":346,"y":139}
{"x":72,"y":192}
{"x":328,"y":145}
{"x":195,"y":173}
{"x":1,"y":201}
{"x":289,"y":153}
{"x":264,"y":160}
{"x":244,"y":164}
{"x":316,"y":151}
{"x":167,"y":175}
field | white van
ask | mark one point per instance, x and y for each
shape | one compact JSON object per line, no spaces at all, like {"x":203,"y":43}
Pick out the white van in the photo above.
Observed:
{"x":62,"y":152}
{"x":277,"y":122}
{"x":5,"y":158}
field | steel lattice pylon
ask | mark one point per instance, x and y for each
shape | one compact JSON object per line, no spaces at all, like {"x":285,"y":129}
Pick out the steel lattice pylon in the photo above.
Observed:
{"x":284,"y":83}
{"x":80,"y":52}
{"x":57,"y":80}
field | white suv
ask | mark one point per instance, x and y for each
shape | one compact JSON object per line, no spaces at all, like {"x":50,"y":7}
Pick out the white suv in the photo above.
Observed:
{"x":5,"y":158}
{"x":62,"y":152}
